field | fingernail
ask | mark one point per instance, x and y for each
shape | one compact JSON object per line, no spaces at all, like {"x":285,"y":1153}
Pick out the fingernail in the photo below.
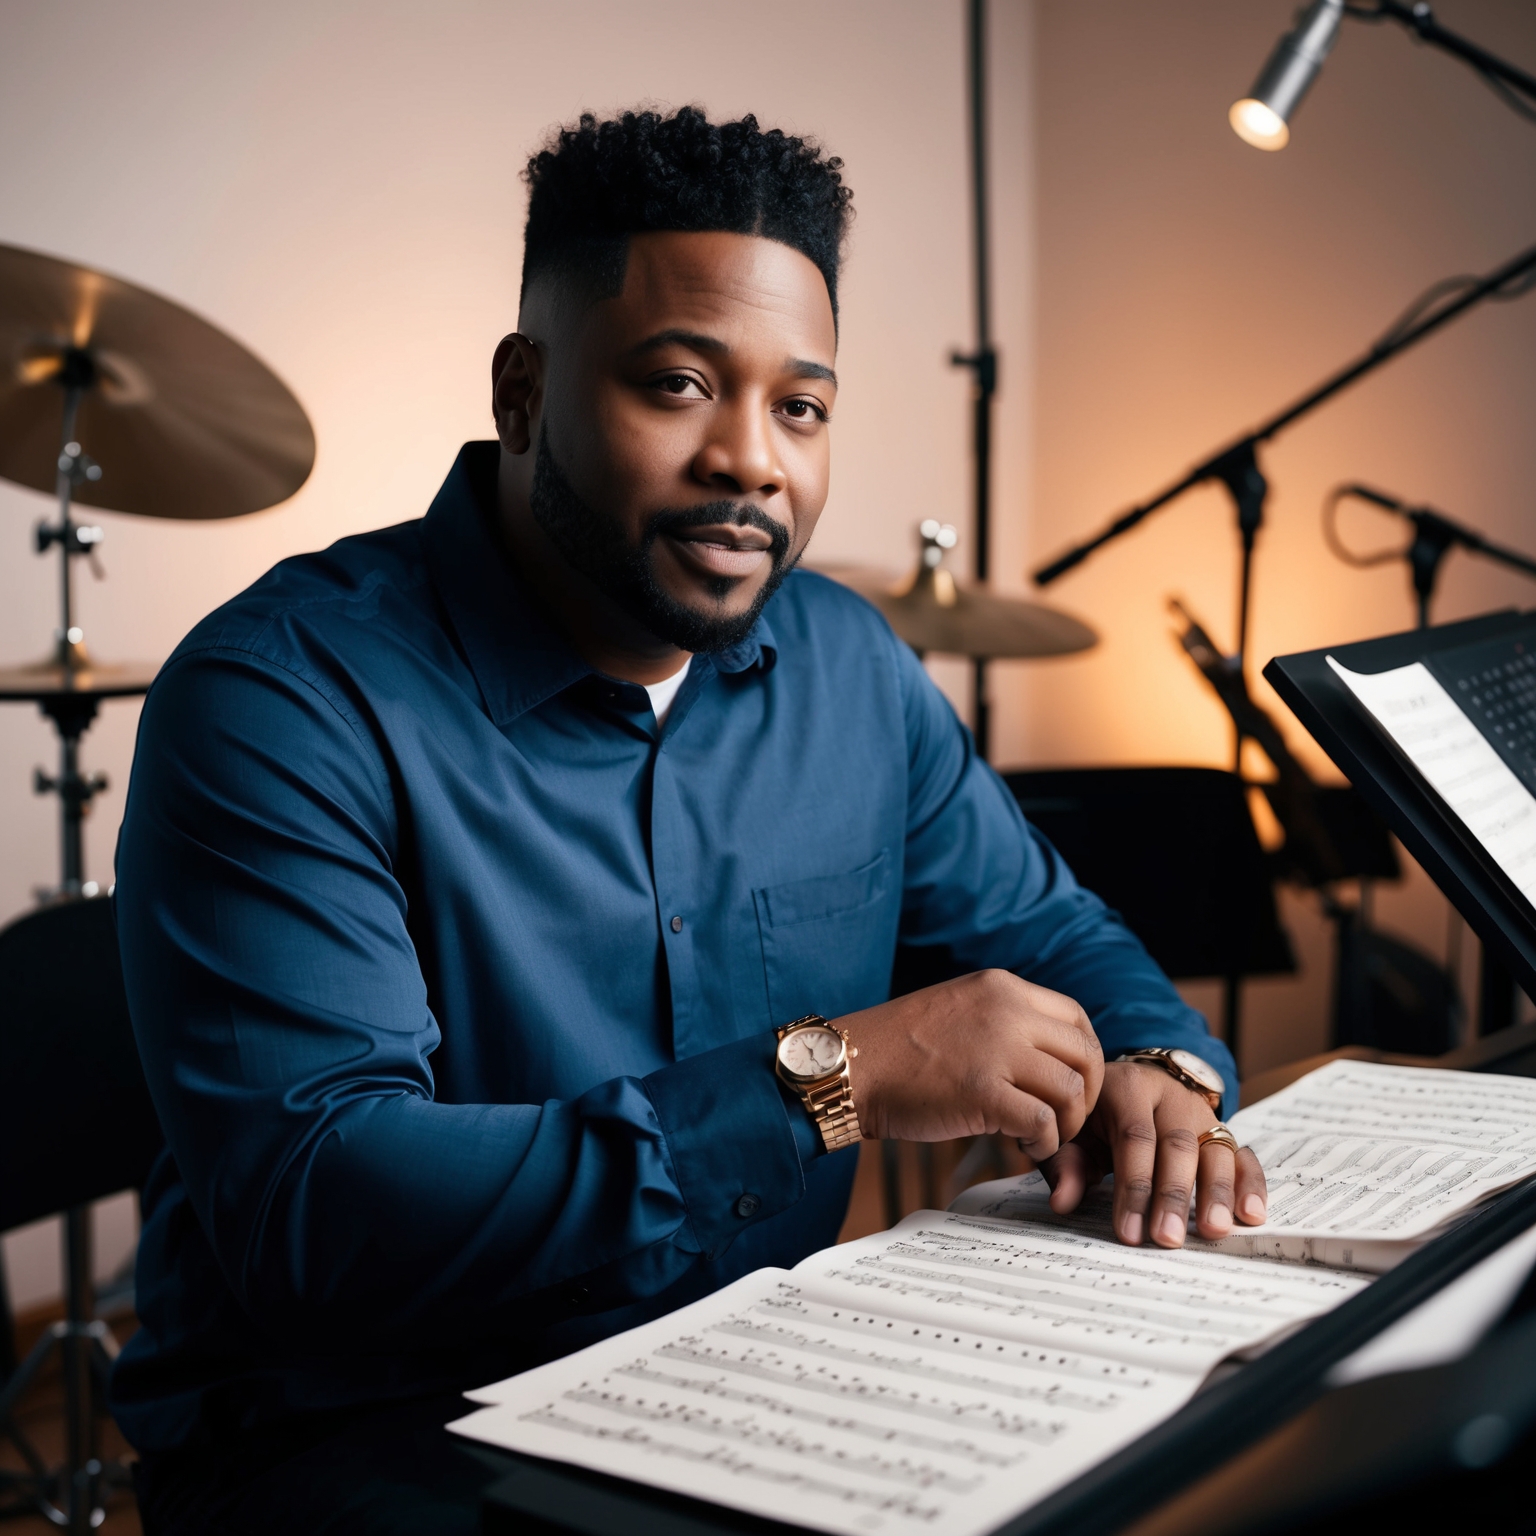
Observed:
{"x":1253,"y":1209}
{"x":1219,"y":1216}
{"x":1170,"y":1229}
{"x":1130,"y":1229}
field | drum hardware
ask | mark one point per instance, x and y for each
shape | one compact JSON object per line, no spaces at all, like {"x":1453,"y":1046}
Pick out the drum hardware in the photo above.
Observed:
{"x":933,"y":611}
{"x":981,"y":361}
{"x":187,"y":424}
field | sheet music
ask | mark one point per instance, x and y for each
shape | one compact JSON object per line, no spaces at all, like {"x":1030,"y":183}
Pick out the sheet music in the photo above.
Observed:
{"x":1363,"y":1161}
{"x":1441,"y":741}
{"x":937,"y":1377}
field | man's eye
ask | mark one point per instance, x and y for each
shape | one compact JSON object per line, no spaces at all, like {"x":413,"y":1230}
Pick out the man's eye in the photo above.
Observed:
{"x":677,"y":383}
{"x":803,"y":410}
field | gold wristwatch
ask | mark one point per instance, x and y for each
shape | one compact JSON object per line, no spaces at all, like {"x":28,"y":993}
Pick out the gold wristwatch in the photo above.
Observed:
{"x":1199,"y":1076}
{"x":812,"y":1059}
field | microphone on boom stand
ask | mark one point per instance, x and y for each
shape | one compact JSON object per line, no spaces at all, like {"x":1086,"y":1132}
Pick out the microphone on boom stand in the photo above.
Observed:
{"x":1434,"y":536}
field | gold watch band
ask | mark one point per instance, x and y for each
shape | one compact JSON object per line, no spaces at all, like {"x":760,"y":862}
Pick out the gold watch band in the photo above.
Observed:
{"x":830,"y":1105}
{"x":829,"y":1102}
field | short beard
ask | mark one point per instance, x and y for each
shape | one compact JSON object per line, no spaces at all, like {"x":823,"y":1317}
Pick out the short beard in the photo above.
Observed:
{"x":595,"y":545}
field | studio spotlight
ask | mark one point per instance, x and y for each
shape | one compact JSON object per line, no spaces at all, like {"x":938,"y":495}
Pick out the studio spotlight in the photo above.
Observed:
{"x":1262,"y":118}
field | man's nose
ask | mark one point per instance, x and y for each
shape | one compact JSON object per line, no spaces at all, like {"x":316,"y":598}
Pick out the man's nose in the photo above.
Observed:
{"x":739,"y":456}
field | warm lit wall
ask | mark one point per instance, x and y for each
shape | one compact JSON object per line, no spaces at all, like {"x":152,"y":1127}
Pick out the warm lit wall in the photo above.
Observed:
{"x":337,"y":184}
{"x":1189,"y":286}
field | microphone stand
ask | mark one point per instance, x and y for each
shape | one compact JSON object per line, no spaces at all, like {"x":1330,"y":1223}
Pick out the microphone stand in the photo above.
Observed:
{"x":1420,"y":20}
{"x":1237,"y":467}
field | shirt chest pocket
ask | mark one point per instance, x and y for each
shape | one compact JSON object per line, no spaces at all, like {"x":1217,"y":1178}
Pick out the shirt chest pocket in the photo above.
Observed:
{"x":828,"y":941}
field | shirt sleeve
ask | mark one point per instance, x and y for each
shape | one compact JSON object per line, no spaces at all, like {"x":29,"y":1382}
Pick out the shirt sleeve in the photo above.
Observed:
{"x":988,"y":890}
{"x":285,"y":1029}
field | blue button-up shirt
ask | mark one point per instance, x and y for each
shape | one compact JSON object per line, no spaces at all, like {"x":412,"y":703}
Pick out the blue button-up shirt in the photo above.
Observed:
{"x":455,"y":978}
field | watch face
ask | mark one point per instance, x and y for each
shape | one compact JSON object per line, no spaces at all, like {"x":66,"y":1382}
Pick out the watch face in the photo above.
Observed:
{"x":1202,"y":1071}
{"x":811,"y":1053}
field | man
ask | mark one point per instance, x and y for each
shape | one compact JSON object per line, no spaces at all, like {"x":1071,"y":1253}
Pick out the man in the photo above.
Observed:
{"x":473,"y":869}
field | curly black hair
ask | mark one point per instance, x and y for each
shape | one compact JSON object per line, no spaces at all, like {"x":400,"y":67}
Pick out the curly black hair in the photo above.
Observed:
{"x":595,"y":184}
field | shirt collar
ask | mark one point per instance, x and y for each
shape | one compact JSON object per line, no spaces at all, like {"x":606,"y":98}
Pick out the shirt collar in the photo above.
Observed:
{"x":518,"y":657}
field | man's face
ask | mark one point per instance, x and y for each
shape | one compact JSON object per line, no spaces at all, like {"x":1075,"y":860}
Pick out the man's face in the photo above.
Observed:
{"x":679,"y":442}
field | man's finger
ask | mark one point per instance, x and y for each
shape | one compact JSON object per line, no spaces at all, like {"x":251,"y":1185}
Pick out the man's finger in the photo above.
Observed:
{"x":1133,"y":1144}
{"x":1032,"y":1123}
{"x":1044,"y":1075}
{"x":1215,"y":1191}
{"x":1071,"y":1174}
{"x":1178,"y":1159}
{"x":1252,"y":1189}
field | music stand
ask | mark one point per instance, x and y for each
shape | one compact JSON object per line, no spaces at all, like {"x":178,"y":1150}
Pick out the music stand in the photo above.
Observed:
{"x":1496,"y":911}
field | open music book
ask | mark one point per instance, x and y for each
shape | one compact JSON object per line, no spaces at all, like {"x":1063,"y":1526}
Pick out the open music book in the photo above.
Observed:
{"x":946,"y":1374}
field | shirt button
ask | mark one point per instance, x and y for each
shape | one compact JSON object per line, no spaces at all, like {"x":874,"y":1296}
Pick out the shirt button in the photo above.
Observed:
{"x":747,"y":1205}
{"x":677,"y":925}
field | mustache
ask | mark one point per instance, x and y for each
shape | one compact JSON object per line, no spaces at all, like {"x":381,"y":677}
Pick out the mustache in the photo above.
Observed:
{"x":716,"y":514}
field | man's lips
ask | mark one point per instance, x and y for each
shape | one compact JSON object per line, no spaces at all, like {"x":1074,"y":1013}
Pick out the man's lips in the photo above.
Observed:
{"x":722,"y":551}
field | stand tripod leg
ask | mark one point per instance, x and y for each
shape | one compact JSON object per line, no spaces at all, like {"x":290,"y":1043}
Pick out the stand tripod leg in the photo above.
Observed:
{"x":82,"y":1466}
{"x":1232,"y":1016}
{"x":1495,"y":996}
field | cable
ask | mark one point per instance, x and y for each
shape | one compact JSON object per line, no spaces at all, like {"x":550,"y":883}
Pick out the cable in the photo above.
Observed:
{"x":1336,"y":544}
{"x":1508,"y":95}
{"x":1449,"y":288}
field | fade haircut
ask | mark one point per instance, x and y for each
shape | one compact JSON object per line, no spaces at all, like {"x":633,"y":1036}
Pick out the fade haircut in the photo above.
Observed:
{"x":594,"y":185}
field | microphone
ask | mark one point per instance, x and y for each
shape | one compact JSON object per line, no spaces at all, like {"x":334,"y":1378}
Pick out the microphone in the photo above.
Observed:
{"x":1262,"y":118}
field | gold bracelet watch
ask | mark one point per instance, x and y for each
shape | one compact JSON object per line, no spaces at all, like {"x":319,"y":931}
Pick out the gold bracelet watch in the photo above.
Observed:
{"x":812,"y":1060}
{"x":1184,"y":1067}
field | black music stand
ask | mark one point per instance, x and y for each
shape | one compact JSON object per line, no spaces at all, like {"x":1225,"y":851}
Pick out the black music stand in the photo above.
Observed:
{"x":1496,"y":911}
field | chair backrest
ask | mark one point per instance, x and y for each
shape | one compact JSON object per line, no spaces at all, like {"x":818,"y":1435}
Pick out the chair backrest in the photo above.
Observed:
{"x":76,"y":1122}
{"x":1174,"y":852}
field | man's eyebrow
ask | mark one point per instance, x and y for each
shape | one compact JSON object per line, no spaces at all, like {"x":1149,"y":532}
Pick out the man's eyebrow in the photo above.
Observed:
{"x":803,"y":369}
{"x":676,"y":336}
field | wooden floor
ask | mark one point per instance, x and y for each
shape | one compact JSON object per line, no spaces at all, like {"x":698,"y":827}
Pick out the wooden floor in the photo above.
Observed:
{"x":40,"y":1416}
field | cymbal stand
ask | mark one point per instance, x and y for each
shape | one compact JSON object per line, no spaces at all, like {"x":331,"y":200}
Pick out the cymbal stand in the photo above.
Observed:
{"x":983,"y":361}
{"x":85,"y":1343}
{"x":71,"y":716}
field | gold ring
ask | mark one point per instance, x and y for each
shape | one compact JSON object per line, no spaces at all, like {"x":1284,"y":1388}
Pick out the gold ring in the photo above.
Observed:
{"x":1221,"y":1135}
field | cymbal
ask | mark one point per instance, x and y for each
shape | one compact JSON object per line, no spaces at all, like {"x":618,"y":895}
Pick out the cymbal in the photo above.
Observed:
{"x":182,"y":419}
{"x":49,"y":680}
{"x":933,"y":612}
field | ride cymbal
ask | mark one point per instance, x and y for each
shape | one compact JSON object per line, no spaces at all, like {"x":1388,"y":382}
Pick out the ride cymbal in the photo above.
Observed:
{"x":183,"y":421}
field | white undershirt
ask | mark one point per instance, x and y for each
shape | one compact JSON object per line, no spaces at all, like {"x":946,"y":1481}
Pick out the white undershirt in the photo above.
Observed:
{"x":663,"y":693}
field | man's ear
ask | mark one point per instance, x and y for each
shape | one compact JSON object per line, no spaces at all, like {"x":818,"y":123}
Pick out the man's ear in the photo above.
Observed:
{"x":517,"y":391}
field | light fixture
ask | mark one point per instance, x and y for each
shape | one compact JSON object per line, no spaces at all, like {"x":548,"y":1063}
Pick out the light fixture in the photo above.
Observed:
{"x":1262,"y":118}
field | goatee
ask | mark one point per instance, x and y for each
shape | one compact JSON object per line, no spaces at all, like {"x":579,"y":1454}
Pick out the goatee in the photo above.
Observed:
{"x":595,"y":544}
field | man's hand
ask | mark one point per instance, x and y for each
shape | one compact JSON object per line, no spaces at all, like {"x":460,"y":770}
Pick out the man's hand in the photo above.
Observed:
{"x":1144,"y":1128}
{"x":983,"y":1053}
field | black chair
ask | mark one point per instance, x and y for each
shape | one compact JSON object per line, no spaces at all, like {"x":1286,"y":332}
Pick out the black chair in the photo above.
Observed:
{"x":76,"y":1125}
